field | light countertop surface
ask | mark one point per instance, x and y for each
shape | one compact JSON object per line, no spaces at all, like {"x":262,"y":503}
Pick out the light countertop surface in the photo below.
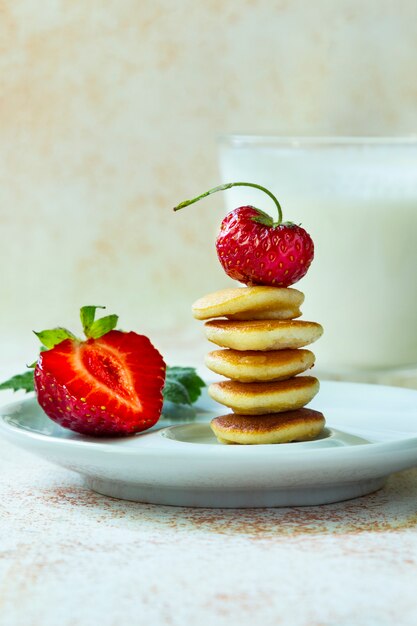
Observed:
{"x":71,"y":557}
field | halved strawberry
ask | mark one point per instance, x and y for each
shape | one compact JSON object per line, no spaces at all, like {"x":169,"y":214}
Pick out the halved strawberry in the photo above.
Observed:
{"x":109,"y":385}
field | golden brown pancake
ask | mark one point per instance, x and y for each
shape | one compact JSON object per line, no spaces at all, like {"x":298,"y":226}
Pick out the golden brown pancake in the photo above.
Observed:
{"x":260,"y":398}
{"x":299,"y":425}
{"x":251,"y":366}
{"x":258,"y":302}
{"x":267,"y":314}
{"x":262,"y":334}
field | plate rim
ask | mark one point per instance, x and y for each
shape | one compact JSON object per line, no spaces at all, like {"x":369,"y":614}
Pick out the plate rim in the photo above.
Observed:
{"x":10,"y":430}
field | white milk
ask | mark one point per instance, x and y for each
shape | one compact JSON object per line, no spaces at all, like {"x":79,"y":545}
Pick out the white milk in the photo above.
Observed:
{"x":358,"y":200}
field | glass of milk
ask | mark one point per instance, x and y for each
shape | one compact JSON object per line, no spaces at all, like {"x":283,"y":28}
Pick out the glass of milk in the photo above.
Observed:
{"x":357,"y":197}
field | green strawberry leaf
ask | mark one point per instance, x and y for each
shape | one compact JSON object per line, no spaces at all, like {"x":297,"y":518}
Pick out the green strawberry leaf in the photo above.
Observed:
{"x":189,"y":381}
{"x":87,"y":315}
{"x":96,"y":328}
{"x":263,"y":218}
{"x":51,"y":338}
{"x":102,"y":326}
{"x":20,"y":381}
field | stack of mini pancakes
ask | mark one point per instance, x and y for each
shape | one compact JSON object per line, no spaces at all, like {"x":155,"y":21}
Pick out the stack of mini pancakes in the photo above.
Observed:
{"x":262,"y":355}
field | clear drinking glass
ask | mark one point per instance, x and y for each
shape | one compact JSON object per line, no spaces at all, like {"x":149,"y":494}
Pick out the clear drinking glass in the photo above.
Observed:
{"x":357,"y":197}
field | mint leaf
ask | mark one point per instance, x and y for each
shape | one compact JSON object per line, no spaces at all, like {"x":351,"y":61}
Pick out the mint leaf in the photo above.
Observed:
{"x":102,"y":326}
{"x":175,"y":392}
{"x":51,"y":338}
{"x":21,"y":381}
{"x":188,"y":380}
{"x":87,"y":315}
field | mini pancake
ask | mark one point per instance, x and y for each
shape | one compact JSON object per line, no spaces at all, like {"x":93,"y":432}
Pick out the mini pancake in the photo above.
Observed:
{"x":262,"y":334}
{"x":249,"y":366}
{"x":300,"y":425}
{"x":267,"y":314}
{"x":260,"y":398}
{"x":258,"y":302}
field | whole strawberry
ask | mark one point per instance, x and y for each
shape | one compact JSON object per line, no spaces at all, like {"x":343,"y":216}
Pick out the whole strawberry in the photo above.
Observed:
{"x":261,"y":252}
{"x":109,"y":385}
{"x":255,"y":250}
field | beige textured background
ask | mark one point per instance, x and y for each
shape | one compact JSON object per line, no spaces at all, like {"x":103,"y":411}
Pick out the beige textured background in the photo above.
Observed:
{"x":109,"y":114}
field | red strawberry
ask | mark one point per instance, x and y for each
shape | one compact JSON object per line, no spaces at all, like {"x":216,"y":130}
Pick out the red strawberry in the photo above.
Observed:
{"x":254,"y":249}
{"x":260,"y":254}
{"x":106,"y":386}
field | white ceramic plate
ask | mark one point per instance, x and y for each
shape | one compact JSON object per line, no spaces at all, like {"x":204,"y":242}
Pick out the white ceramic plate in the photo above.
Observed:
{"x":371,"y":433}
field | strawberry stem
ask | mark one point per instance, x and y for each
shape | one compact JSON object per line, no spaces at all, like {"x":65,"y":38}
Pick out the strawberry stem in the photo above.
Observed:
{"x":228,"y":186}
